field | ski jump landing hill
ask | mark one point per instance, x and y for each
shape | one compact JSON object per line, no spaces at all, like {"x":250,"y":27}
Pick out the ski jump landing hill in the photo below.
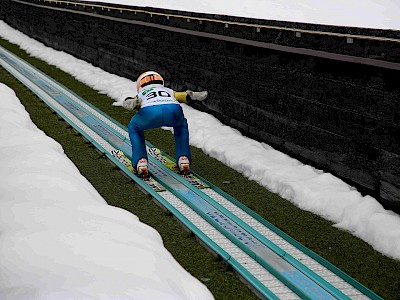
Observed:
{"x":326,"y":95}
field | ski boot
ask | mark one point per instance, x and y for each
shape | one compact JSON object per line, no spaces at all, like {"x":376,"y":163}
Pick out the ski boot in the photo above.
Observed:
{"x":142,"y":169}
{"x":183,"y":166}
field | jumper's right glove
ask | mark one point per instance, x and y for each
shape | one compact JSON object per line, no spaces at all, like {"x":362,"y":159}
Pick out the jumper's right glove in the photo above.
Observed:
{"x":197,"y":96}
{"x":130,"y":103}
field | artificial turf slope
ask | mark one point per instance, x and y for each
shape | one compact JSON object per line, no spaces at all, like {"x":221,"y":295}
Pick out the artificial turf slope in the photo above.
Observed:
{"x":355,"y":257}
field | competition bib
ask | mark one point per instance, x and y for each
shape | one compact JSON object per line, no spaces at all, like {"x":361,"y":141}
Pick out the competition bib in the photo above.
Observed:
{"x":157,"y":96}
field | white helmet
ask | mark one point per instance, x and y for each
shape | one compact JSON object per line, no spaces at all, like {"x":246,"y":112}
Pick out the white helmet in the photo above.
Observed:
{"x":147,"y":78}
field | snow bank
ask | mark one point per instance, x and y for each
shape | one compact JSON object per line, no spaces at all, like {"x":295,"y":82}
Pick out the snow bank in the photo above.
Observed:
{"x":58,"y":237}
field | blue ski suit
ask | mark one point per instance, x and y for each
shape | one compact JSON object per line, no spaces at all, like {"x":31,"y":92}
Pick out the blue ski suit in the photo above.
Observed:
{"x":159,"y":106}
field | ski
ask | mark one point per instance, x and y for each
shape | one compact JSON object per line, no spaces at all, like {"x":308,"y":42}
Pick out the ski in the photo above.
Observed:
{"x":150,"y":181}
{"x":170,"y":164}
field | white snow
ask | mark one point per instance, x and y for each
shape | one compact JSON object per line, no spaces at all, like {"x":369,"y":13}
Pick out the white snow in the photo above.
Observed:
{"x":59,"y":239}
{"x":383,"y":14}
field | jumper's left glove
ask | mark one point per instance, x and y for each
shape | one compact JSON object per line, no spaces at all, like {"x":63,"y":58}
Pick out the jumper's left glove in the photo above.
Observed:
{"x":130,"y":103}
{"x":197,"y":96}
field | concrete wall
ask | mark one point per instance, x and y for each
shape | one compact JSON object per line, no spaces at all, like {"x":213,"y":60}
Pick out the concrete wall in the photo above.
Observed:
{"x":327,"y":111}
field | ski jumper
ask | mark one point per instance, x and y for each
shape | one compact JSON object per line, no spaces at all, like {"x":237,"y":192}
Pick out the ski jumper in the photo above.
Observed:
{"x":159,"y":106}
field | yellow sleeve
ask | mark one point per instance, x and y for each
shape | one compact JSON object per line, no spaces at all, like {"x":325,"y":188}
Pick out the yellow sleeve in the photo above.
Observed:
{"x":181,"y":97}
